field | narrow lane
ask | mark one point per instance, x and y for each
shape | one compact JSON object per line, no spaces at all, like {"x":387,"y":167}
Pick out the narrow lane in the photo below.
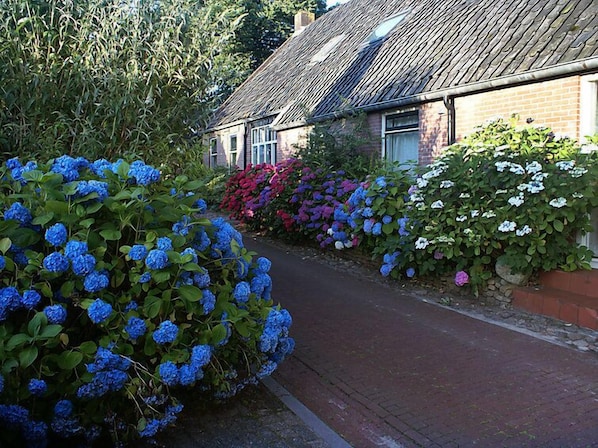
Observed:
{"x":385,"y":369}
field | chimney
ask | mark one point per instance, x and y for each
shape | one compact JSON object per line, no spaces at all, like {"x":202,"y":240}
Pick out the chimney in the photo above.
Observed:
{"x":302,"y":19}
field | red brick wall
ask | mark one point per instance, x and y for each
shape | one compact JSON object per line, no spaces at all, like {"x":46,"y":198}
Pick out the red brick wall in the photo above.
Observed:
{"x":550,"y":103}
{"x":433,"y":135}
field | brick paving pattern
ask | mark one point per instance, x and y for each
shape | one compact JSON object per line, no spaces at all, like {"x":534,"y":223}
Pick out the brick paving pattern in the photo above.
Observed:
{"x":384,"y":369}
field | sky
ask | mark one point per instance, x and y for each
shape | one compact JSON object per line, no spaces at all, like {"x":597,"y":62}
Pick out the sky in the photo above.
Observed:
{"x":330,"y":3}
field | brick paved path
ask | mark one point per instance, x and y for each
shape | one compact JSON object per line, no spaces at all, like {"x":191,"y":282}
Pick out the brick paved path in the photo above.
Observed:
{"x":386,"y":370}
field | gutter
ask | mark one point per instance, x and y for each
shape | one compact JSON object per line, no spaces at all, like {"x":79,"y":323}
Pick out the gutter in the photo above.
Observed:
{"x":557,"y":71}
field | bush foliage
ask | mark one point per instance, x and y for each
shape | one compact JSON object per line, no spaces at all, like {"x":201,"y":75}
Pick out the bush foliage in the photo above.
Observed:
{"x":115,"y":296}
{"x":518,"y":194}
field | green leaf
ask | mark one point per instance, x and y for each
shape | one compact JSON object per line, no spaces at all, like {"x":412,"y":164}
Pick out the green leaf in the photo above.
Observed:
{"x":35,"y":324}
{"x":43,"y":219}
{"x":27,"y":356}
{"x":161,"y":276}
{"x":241,"y":327}
{"x":58,"y":207}
{"x":152,"y":306}
{"x":88,"y":347}
{"x":17,"y":340}
{"x":558,"y":225}
{"x":50,"y":331}
{"x":111,"y":234}
{"x":218,"y":334}
{"x":5,"y":244}
{"x":87,"y":223}
{"x":69,"y":360}
{"x":190,"y":293}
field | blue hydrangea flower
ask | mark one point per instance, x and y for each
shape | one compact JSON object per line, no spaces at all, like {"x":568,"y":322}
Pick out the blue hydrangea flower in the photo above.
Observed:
{"x":143,"y":174}
{"x":13,"y":415}
{"x":103,"y":382}
{"x":169,"y":373}
{"x":263,"y":264}
{"x":377,"y":229}
{"x":166,"y":333}
{"x":201,"y":205}
{"x":164,"y":243}
{"x":135,"y":327}
{"x":37,"y":387}
{"x":208,"y":301}
{"x":202,"y":279}
{"x":10,"y":299}
{"x":183,"y":226}
{"x":35,"y":433}
{"x":2,"y":262}
{"x":151,"y":428}
{"x":86,"y":187}
{"x":386,"y":269}
{"x":30,"y":299}
{"x":18,"y":212}
{"x":138,"y":252}
{"x":106,"y":360}
{"x":190,"y":251}
{"x":83,"y":264}
{"x":69,"y":167}
{"x":266,"y":369}
{"x":56,"y":235}
{"x":95,"y":281}
{"x":200,"y":355}
{"x":63,"y":408}
{"x":145,"y":277}
{"x":241,"y":292}
{"x":56,"y":314}
{"x":187,"y":375}
{"x":99,"y":311}
{"x":156,"y":259}
{"x":56,"y":262}
{"x":75,"y":248}
{"x":1,"y":383}
{"x":132,"y":305}
{"x":18,"y":171}
{"x":100,"y":166}
{"x":410,"y":272}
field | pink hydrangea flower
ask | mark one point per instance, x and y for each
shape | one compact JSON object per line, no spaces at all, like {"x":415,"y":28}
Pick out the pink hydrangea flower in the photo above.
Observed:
{"x":461,"y":278}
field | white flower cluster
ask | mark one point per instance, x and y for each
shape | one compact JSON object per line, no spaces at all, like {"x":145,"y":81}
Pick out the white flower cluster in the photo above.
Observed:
{"x":565,"y":165}
{"x":437,"y":204}
{"x":437,"y":169}
{"x":517,"y":200}
{"x":475,"y":213}
{"x":489,"y":214}
{"x":421,"y":243}
{"x":533,"y":187}
{"x":464,"y":196}
{"x":533,"y":168}
{"x":461,"y":218}
{"x":421,"y":183}
{"x":512,"y":167}
{"x":558,"y":202}
{"x":447,"y":184}
{"x":578,"y":172}
{"x":507,"y":226}
{"x":523,"y":231}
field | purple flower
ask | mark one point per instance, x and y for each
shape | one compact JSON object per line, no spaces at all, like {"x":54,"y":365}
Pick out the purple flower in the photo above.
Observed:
{"x":461,"y":278}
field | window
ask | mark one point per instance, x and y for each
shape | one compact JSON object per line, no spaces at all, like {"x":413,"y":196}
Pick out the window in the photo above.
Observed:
{"x":232,"y":151}
{"x":213,"y":152}
{"x":385,"y":27}
{"x":401,"y":137}
{"x":328,"y":48}
{"x":589,"y":126}
{"x":263,"y":145}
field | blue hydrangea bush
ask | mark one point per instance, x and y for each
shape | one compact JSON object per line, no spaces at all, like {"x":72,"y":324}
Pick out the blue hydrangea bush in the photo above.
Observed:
{"x":116,"y":296}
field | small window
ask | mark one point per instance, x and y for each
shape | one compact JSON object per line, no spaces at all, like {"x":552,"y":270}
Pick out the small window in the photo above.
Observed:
{"x":386,"y":27}
{"x":232,"y":152}
{"x":401,"y":138}
{"x":213,"y":152}
{"x":263,"y":145}
{"x":327,"y":49}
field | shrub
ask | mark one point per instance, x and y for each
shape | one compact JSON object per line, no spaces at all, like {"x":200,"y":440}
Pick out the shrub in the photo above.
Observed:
{"x":117,"y":295}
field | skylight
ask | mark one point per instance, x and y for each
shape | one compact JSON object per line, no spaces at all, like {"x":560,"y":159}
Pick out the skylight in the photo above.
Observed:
{"x":386,"y":27}
{"x":326,"y":49}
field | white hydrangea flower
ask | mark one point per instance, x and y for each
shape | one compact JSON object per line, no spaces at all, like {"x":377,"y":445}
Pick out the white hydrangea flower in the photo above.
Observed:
{"x":339,"y":245}
{"x":558,"y":202}
{"x":468,"y":231}
{"x":533,"y":168}
{"x":421,"y":243}
{"x":447,"y":184}
{"x":539,"y":177}
{"x":330,"y":231}
{"x":516,"y":200}
{"x":421,"y":183}
{"x":474,"y":213}
{"x":501,"y":191}
{"x":464,"y":196}
{"x":416,"y":197}
{"x":565,"y":165}
{"x":461,"y":218}
{"x":507,"y":226}
{"x":348,"y":244}
{"x":516,"y":168}
{"x":437,"y":204}
{"x":501,"y":166}
{"x":523,"y":231}
{"x":578,"y":172}
{"x":577,"y":195}
{"x":489,"y":214}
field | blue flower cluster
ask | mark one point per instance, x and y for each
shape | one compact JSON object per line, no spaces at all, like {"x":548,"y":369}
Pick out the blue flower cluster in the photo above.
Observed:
{"x":187,"y":373}
{"x":99,"y":311}
{"x":156,"y":259}
{"x":56,"y":314}
{"x":69,"y":167}
{"x":275,"y":340}
{"x":19,"y":213}
{"x":143,"y":174}
{"x":166,"y":333}
{"x":261,"y":283}
{"x":37,"y":387}
{"x":96,"y":281}
{"x":110,"y":374}
{"x":136,"y":327}
{"x":17,"y":417}
{"x":208,"y":301}
{"x":64,"y":424}
{"x":56,"y":235}
{"x":85,"y":188}
{"x":138,"y":252}
{"x":153,"y":426}
{"x":17,"y":169}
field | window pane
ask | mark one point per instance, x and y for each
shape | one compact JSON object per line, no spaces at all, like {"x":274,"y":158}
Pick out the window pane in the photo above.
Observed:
{"x":402,"y":121}
{"x":402,"y":147}
{"x":233,"y":143}
{"x":593,"y":236}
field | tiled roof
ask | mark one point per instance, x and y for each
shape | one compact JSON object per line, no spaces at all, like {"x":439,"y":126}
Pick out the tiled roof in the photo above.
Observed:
{"x":438,"y":46}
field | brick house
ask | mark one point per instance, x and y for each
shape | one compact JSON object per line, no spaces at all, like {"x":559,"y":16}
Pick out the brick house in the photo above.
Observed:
{"x":425,"y":72}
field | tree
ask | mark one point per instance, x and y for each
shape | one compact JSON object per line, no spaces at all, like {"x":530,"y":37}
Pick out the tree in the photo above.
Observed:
{"x":107,"y":77}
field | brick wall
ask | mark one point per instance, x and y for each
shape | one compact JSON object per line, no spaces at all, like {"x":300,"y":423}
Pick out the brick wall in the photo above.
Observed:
{"x":553,"y":103}
{"x":223,"y":145}
{"x":433,"y":125}
{"x":288,"y":140}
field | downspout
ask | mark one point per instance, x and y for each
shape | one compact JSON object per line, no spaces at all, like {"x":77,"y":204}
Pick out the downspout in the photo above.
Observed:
{"x":245,"y":122}
{"x":449,"y":104}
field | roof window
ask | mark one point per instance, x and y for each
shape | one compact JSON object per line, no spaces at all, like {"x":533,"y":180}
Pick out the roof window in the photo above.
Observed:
{"x":326,"y":49}
{"x":386,"y":27}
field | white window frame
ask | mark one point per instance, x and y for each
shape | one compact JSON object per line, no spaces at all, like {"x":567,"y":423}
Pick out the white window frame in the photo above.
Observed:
{"x":213,"y":152}
{"x":233,"y":151}
{"x":263,"y":145}
{"x":386,"y":132}
{"x":588,"y":126}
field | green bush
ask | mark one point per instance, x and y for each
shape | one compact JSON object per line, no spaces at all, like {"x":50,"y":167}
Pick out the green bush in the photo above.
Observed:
{"x":115,"y":296}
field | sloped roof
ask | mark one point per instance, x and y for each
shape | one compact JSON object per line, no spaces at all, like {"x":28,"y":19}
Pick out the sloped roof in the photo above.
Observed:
{"x":439,"y":45}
